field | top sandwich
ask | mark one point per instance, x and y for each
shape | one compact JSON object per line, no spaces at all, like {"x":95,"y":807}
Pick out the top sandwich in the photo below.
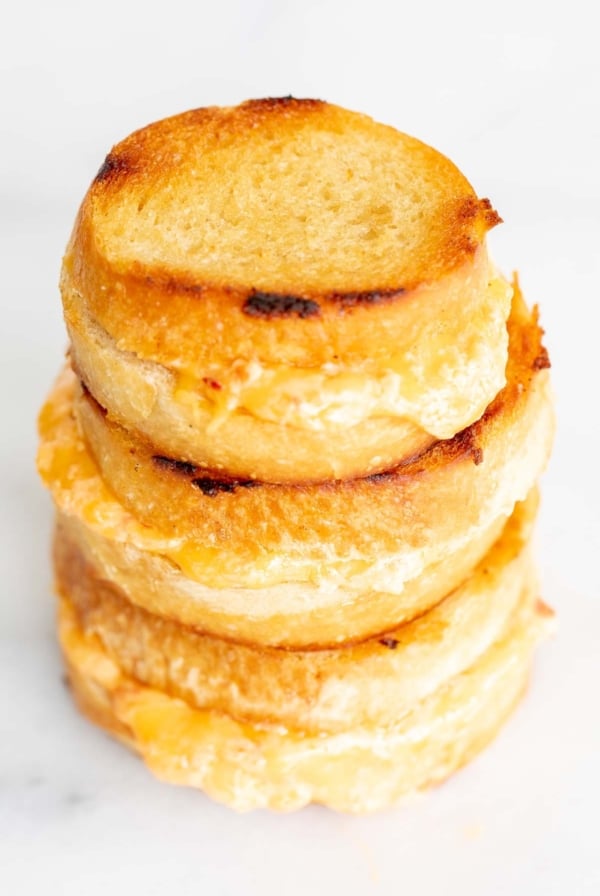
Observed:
{"x":285,"y":291}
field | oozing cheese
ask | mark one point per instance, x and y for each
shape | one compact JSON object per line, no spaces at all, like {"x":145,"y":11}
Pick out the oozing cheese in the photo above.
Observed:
{"x":251,"y":765}
{"x":79,"y":491}
{"x":441,"y":389}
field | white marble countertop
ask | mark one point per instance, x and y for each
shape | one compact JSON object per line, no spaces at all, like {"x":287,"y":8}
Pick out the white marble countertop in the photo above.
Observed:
{"x":512,"y":98}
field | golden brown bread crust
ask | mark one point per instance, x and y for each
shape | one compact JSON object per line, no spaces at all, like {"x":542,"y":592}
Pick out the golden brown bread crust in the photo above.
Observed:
{"x":352,"y":251}
{"x":338,"y":420}
{"x":183,"y":332}
{"x":303,"y":566}
{"x":265,"y":766}
{"x":373,"y":683}
{"x":187,"y":424}
{"x":180,"y":500}
{"x":173,"y":165}
{"x":289,"y":615}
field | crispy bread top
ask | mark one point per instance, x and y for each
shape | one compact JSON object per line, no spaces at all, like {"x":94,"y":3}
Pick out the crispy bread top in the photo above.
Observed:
{"x":280,"y":210}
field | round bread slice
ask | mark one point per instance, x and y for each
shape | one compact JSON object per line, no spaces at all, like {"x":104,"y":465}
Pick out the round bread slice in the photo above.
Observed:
{"x":265,"y":765}
{"x":285,"y":290}
{"x":376,"y":682}
{"x":309,"y":565}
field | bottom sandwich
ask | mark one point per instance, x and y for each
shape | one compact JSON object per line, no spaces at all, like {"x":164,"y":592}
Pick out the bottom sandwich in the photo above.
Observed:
{"x":254,"y":764}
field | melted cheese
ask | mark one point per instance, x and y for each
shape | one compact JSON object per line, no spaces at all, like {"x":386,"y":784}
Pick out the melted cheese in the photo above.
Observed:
{"x":68,"y":470}
{"x":441,"y":389}
{"x":250,"y":765}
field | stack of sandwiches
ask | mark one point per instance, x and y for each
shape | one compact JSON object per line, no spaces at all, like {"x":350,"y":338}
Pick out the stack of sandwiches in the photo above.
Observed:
{"x":294,"y":455}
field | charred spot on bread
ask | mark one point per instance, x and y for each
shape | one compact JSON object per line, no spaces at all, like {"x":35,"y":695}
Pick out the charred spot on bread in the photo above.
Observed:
{"x":354,"y":298}
{"x":477,"y":455}
{"x":490,"y":215}
{"x":173,"y":285}
{"x":467,"y":443}
{"x":542,"y":360}
{"x":268,"y":305}
{"x":347,"y":300}
{"x":385,"y":476}
{"x":213,"y":487}
{"x":112,"y":166}
{"x":471,"y":208}
{"x":464,"y":444}
{"x":175,"y":466}
{"x":390,"y":643}
{"x":268,"y":103}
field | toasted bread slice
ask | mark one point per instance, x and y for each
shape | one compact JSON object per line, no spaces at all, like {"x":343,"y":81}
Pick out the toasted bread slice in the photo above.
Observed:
{"x":298,"y":565}
{"x":256,"y":289}
{"x":250,"y":766}
{"x":375,"y":682}
{"x":290,"y":197}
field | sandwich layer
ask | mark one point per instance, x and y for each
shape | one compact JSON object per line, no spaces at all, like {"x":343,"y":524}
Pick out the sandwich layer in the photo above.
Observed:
{"x":376,"y":682}
{"x":290,"y":615}
{"x":309,"y":565}
{"x":250,"y":766}
{"x":337,"y":419}
{"x":290,"y":291}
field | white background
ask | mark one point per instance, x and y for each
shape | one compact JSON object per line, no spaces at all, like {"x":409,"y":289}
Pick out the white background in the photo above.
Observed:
{"x":510,"y":92}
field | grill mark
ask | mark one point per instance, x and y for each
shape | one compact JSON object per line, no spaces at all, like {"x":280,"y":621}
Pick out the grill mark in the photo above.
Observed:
{"x":172,"y":286}
{"x":382,"y":477}
{"x":368,"y":297}
{"x":213,"y":487}
{"x":175,"y":466}
{"x":390,"y":643}
{"x":208,"y":485}
{"x":269,"y":305}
